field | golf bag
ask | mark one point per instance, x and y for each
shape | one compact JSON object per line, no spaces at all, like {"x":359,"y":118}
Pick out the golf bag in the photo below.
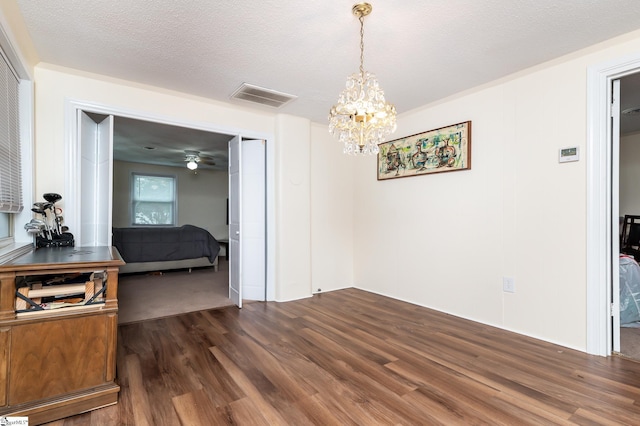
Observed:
{"x":63,"y":240}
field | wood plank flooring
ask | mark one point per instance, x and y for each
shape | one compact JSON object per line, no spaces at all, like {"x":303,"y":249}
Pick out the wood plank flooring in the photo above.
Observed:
{"x":354,"y":358}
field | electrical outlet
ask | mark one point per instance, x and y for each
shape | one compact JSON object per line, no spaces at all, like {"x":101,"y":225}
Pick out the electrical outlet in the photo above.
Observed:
{"x":508,"y":285}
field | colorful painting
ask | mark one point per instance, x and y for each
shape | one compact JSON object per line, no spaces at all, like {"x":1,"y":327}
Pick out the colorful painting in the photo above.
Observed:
{"x":445,"y":149}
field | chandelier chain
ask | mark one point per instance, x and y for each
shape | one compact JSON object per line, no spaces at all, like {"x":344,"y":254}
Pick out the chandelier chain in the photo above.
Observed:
{"x":361,"y":44}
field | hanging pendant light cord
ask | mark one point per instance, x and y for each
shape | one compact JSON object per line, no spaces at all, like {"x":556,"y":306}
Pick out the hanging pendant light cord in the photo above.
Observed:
{"x":361,"y":44}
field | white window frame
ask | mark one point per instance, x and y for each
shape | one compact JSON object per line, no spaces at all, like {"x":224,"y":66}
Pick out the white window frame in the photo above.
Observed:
{"x":174,"y":203}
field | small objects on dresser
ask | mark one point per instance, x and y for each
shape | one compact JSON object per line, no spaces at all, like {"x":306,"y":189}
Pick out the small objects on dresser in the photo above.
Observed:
{"x":47,"y":229}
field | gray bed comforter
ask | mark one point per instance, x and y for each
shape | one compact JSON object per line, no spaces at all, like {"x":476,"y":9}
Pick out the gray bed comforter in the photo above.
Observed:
{"x":161,"y":244}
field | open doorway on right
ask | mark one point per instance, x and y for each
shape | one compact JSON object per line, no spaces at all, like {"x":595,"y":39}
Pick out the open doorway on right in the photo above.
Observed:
{"x":629,"y":205}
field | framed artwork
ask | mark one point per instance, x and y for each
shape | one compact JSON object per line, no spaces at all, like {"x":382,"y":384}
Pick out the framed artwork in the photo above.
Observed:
{"x":446,"y":149}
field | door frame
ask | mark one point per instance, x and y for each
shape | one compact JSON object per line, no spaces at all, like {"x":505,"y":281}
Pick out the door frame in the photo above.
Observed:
{"x":72,"y":160}
{"x":599,"y":200}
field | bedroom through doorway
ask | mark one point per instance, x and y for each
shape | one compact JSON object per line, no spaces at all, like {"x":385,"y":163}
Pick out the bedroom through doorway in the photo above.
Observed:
{"x":202,"y":194}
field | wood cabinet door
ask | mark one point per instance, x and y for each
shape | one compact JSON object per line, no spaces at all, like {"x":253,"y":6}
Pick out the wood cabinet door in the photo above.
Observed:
{"x":56,"y":357}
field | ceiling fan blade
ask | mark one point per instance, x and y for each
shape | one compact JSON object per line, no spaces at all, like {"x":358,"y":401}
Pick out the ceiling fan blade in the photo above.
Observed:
{"x":208,"y":161}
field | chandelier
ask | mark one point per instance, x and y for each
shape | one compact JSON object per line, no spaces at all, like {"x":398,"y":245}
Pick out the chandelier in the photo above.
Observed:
{"x":362,"y":118}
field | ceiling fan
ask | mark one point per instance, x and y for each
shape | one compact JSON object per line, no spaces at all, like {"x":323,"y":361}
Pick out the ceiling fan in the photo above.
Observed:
{"x":193,"y":158}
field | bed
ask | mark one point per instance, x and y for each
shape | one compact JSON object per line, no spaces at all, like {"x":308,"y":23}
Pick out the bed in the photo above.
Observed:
{"x":163,"y":248}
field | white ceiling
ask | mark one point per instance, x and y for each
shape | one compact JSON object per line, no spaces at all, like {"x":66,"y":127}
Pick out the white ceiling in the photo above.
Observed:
{"x":420,"y":50}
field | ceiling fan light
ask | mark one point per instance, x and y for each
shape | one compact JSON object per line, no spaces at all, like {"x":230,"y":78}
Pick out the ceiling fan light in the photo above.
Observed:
{"x":192,"y":159}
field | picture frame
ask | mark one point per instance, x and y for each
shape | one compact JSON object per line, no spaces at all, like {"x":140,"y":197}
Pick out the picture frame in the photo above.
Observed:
{"x":445,"y":149}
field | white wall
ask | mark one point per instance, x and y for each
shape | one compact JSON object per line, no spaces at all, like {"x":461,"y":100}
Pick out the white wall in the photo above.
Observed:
{"x":292,"y":192}
{"x":447,"y":240}
{"x":630,"y":174}
{"x":332,"y":212}
{"x":202,"y":196}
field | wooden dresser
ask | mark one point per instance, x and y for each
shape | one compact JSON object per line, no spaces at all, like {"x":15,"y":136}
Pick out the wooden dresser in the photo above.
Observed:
{"x":55,"y":363}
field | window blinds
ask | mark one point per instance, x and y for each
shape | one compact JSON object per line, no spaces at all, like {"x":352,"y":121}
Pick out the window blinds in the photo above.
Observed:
{"x":10,"y":164}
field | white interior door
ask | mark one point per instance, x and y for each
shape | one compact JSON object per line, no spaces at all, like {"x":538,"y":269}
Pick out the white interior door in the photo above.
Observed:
{"x":615,"y":214}
{"x":247,"y":220}
{"x":253,"y":219}
{"x":235,"y":195}
{"x":96,"y":142}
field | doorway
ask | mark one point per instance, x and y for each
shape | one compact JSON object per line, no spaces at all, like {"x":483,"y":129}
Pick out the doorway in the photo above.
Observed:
{"x":602,"y":302}
{"x":74,"y":211}
{"x":627,"y":171}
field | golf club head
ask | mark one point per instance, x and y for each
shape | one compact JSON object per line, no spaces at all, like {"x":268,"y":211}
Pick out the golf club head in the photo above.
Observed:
{"x":39,"y":211}
{"x":52,"y":197}
{"x":65,"y":229}
{"x":42,"y":205}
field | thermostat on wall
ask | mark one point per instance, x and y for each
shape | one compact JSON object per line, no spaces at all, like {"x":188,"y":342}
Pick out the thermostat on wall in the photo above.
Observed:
{"x":566,"y":155}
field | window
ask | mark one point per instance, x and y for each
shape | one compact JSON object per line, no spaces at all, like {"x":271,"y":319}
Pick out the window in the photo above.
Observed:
{"x":153,"y":200}
{"x":10,"y":162}
{"x":5,"y":226}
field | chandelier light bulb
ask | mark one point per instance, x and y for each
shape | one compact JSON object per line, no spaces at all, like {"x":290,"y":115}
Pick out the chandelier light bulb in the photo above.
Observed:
{"x":192,"y":165}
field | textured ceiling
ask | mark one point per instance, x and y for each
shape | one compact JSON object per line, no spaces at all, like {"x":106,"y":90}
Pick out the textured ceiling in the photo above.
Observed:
{"x":420,"y":50}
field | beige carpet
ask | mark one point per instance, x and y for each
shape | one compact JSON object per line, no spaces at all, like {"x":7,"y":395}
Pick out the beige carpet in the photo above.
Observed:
{"x":151,"y":295}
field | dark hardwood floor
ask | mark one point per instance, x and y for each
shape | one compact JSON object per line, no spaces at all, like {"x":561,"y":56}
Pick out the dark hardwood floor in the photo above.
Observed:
{"x":354,"y":358}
